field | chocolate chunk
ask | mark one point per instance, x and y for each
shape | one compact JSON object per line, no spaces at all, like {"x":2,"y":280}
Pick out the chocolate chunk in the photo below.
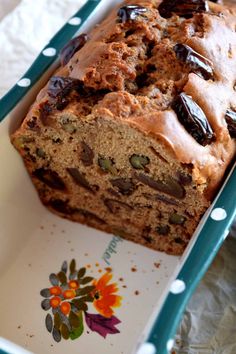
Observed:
{"x":130,"y":12}
{"x":79,"y":178}
{"x":90,"y":215}
{"x":184,"y":179}
{"x":86,"y":154}
{"x":196,"y":62}
{"x":163,"y":229}
{"x":184,"y":8}
{"x":193,"y":118}
{"x":50,"y":178}
{"x":45,"y":109}
{"x":61,"y":206}
{"x":177,"y":219}
{"x":114,"y":206}
{"x":179,"y":241}
{"x":168,"y":185}
{"x":124,"y":185}
{"x":139,"y":161}
{"x":146,"y":234}
{"x":61,"y":86}
{"x":230,"y":118}
{"x":32,"y":124}
{"x":73,"y":46}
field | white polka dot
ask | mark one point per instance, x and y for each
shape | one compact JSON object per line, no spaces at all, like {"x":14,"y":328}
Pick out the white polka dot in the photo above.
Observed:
{"x":218,"y":214}
{"x":147,"y":348}
{"x":177,"y":287}
{"x":75,"y":21}
{"x":25,"y":82}
{"x":49,"y":52}
{"x":170,"y":344}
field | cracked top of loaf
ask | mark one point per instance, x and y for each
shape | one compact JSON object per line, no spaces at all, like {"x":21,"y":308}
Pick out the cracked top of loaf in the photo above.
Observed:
{"x":167,"y":68}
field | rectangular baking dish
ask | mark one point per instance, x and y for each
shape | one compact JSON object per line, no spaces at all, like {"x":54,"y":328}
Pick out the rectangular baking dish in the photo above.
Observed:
{"x":34,"y":243}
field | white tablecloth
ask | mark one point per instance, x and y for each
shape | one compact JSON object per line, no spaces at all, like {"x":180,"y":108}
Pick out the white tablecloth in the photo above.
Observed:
{"x":209,"y":323}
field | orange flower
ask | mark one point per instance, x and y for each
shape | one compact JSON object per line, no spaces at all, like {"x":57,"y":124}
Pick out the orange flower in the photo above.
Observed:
{"x":104,"y":295}
{"x":69,"y":294}
{"x":65,"y":308}
{"x":55,"y":301}
{"x":73,"y":284}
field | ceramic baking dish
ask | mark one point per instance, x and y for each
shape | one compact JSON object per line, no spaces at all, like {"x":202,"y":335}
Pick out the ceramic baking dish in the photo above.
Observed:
{"x":143,"y":293}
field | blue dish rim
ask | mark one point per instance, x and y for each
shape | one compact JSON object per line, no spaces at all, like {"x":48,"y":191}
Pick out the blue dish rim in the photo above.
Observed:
{"x":212,"y":234}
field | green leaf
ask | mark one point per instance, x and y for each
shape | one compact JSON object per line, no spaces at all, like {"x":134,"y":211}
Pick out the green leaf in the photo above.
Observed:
{"x":54,"y":279}
{"x":45,"y":293}
{"x":65,"y":331}
{"x":85,"y":291}
{"x":57,"y":321}
{"x":64,"y":267}
{"x":86,"y":280}
{"x":62,"y":277}
{"x":80,"y":305}
{"x":74,"y":320}
{"x":81,"y":273}
{"x":72,"y":266}
{"x":49,"y":322}
{"x":76,"y":333}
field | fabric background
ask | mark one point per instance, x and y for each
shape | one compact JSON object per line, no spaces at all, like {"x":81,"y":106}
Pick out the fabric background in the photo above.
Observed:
{"x":209,"y":323}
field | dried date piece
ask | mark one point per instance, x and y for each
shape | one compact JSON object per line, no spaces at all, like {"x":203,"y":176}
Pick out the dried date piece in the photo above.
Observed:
{"x":168,"y":185}
{"x":59,"y":86}
{"x":124,"y":185}
{"x":184,"y":8}
{"x":73,"y":46}
{"x":79,"y":178}
{"x":130,"y":12}
{"x":193,"y":118}
{"x":50,"y":178}
{"x":114,"y":206}
{"x":230,"y":118}
{"x":196,"y":62}
{"x":163,"y":229}
{"x":86,"y":154}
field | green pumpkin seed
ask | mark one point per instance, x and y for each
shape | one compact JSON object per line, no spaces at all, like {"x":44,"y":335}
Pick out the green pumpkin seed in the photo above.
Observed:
{"x":107,"y":165}
{"x":49,"y":322}
{"x":139,"y":161}
{"x":73,"y":276}
{"x":20,"y":141}
{"x":177,"y":219}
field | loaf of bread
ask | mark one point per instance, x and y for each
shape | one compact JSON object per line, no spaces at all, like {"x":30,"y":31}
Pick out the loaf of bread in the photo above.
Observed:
{"x":134,"y":132}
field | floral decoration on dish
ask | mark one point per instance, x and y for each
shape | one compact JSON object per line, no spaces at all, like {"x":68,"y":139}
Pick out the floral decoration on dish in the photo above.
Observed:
{"x":69,"y":297}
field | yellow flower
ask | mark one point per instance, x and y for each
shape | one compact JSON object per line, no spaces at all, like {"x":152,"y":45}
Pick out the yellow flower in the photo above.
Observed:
{"x":104,"y":295}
